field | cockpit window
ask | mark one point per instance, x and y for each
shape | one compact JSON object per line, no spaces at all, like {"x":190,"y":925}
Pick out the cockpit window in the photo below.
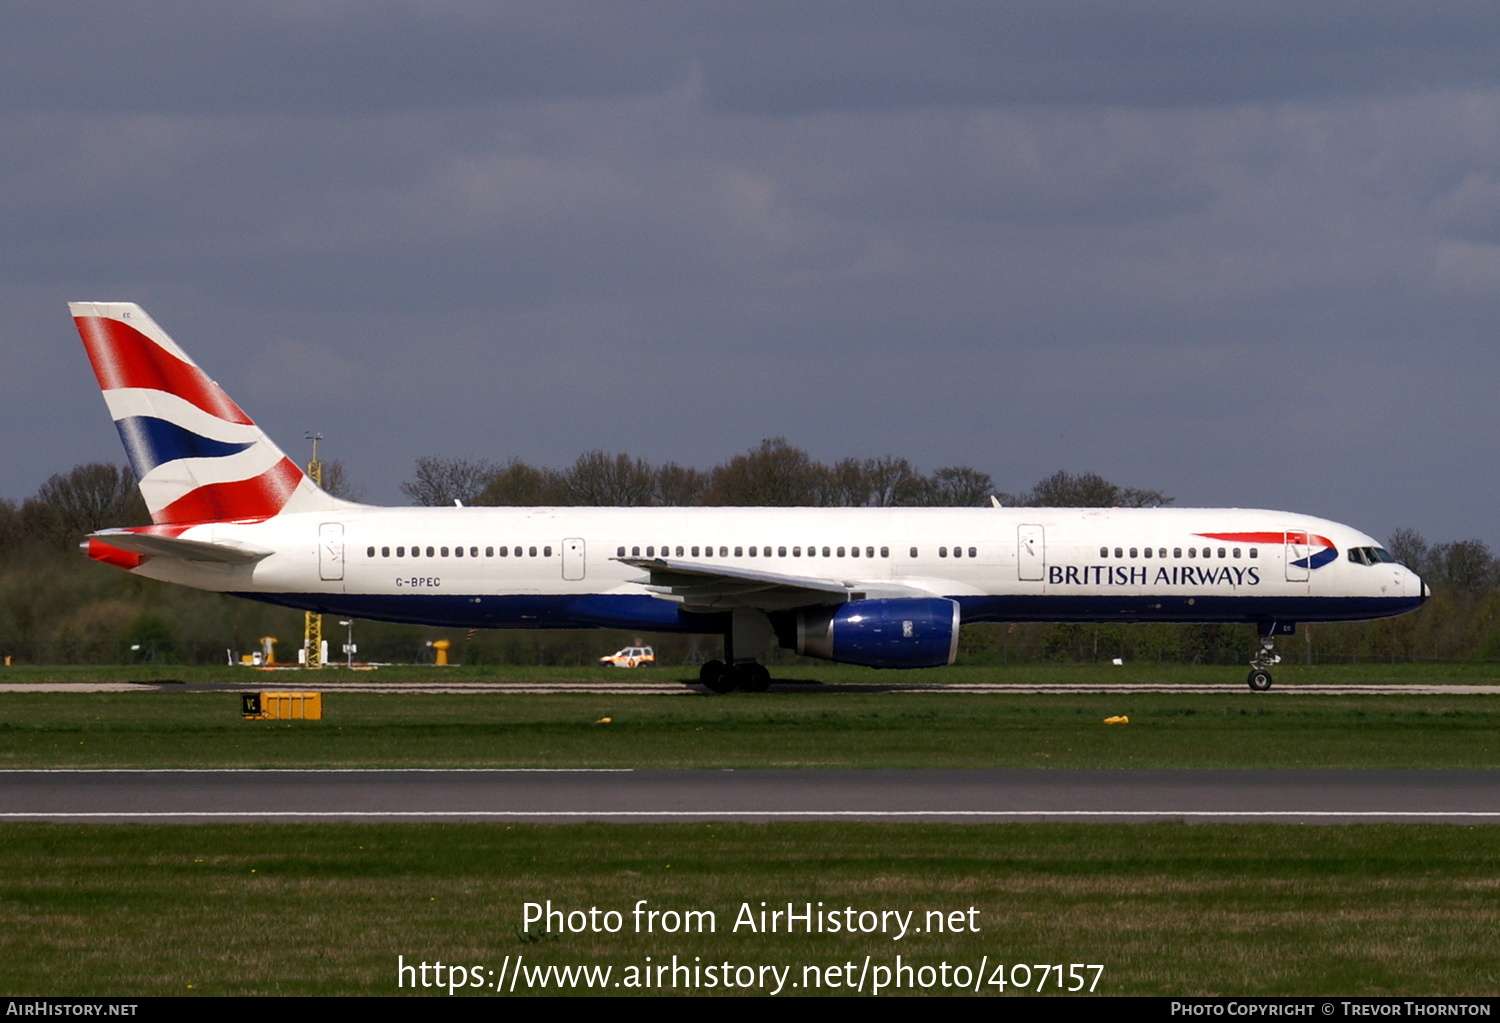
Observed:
{"x":1370,"y":556}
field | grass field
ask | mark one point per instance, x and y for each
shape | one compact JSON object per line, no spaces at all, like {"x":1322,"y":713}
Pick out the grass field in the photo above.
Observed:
{"x":1165,"y":909}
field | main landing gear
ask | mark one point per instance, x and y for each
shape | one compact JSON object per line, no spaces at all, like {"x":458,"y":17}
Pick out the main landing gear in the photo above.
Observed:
{"x":1265,"y":658}
{"x":749,"y":633}
{"x":747,"y":676}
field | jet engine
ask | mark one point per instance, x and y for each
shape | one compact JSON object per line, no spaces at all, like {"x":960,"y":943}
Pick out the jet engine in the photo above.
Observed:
{"x":902,"y":633}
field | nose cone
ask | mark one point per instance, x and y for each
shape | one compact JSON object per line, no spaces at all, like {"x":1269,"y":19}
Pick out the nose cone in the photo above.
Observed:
{"x":1416,"y":587}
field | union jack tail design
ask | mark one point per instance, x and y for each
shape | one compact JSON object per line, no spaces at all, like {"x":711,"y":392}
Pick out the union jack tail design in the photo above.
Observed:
{"x":196,"y":455}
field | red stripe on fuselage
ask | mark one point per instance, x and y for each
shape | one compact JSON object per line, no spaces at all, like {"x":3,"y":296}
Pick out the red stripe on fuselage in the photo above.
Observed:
{"x":1291,"y":536}
{"x":257,"y":498}
{"x":124,"y":357}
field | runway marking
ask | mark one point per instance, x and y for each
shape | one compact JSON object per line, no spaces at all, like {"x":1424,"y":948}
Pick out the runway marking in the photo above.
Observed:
{"x":699,"y":814}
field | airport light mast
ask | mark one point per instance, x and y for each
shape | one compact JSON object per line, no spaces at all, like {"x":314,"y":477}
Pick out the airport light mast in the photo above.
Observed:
{"x":312,"y":633}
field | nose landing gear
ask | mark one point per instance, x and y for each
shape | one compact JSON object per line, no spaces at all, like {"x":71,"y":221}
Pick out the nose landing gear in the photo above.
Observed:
{"x":1265,"y":658}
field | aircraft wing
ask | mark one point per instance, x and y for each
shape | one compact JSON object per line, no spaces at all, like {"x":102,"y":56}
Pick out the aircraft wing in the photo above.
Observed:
{"x":154,"y":545}
{"x":703,"y":586}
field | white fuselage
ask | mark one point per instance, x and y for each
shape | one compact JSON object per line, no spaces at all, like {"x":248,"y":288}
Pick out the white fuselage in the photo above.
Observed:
{"x":559,"y":567}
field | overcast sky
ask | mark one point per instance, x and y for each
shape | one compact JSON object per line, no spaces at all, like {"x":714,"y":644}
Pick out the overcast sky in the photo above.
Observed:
{"x":1245,"y":254}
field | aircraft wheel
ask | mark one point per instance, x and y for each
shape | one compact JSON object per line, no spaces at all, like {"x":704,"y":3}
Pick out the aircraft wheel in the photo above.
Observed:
{"x":1259,"y":679}
{"x":717,"y":676}
{"x":753,"y":678}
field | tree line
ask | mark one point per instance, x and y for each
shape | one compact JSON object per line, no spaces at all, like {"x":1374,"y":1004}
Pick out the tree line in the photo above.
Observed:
{"x":773,"y":474}
{"x":57,"y":607}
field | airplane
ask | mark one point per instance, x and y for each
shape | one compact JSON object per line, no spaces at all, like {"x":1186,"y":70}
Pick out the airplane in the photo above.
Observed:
{"x":880,"y":587}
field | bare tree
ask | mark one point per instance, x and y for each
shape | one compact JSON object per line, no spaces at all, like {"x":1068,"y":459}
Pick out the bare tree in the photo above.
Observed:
{"x":337,"y":483}
{"x":678,"y":486}
{"x":1411,"y":549}
{"x":1088,"y":490}
{"x":518,"y":485}
{"x":773,"y":474}
{"x":86,"y":498}
{"x":441,"y":481}
{"x":604,"y":480}
{"x":955,"y":486}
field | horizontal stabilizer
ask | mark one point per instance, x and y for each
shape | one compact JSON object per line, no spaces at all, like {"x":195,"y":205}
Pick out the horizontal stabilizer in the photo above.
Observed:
{"x":155,"y":546}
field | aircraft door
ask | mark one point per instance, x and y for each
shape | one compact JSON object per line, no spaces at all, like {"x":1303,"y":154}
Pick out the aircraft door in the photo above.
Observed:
{"x":1298,"y":550}
{"x":1031,"y":552}
{"x":331,"y":551}
{"x":573,"y":562}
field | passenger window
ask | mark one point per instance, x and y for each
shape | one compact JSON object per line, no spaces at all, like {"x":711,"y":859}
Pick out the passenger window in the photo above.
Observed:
{"x":1119,"y":553}
{"x":942,"y":552}
{"x":1255,"y":552}
{"x":458,"y":552}
{"x":1132,"y":552}
{"x":752,"y":552}
{"x":430,"y":552}
{"x":781,"y":552}
{"x":972,"y":552}
{"x":444,"y":551}
{"x":853,"y":552}
{"x":1103,"y":552}
{"x":369,"y":552}
{"x":1176,"y":552}
{"x":739,"y":552}
{"x":869,"y":552}
{"x":1192,"y":552}
{"x":885,"y":552}
{"x":796,"y":552}
{"x":1163,"y":552}
{"x":841,"y":552}
{"x":400,"y":552}
{"x":825,"y":553}
{"x":533,"y":552}
{"x":723,"y":552}
{"x":679,"y":552}
{"x":1146,"y":551}
{"x":1236,"y":552}
{"x":913,"y":552}
{"x":1221,"y":552}
{"x":546,"y":552}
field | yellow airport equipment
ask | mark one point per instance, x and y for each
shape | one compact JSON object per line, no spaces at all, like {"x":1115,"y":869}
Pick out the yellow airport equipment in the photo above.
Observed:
{"x":440,"y":651}
{"x":281,"y":706}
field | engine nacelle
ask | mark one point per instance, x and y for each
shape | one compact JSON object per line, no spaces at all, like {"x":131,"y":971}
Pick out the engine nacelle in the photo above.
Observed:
{"x":918,"y":632}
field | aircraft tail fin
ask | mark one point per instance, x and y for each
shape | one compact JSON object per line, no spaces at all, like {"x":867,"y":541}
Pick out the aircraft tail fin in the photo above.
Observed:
{"x":196,"y":455}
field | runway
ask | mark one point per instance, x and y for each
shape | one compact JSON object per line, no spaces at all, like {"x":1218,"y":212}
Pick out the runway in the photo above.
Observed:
{"x":968,"y":796}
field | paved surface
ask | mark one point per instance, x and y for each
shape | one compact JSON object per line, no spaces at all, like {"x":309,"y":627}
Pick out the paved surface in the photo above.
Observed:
{"x":295,"y":680}
{"x":1322,"y":797}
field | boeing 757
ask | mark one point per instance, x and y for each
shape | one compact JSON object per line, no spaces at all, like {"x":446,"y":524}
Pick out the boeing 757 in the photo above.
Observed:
{"x":882,"y":587}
